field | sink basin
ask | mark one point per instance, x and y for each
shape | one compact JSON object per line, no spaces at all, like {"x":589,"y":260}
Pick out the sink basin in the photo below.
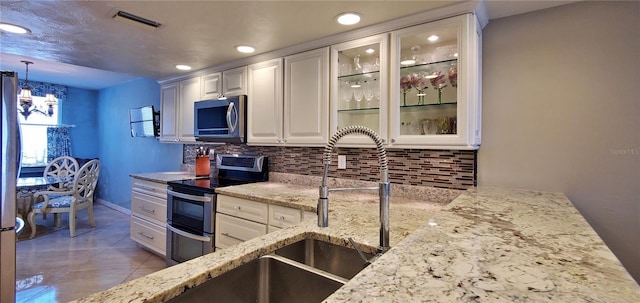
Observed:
{"x":267,"y":279}
{"x":335,"y":259}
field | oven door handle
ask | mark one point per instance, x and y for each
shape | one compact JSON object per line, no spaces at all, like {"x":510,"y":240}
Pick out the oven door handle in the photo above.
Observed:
{"x":188,"y":235}
{"x":206,"y":198}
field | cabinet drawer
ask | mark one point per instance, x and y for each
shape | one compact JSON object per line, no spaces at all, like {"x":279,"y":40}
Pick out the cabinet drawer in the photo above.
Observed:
{"x":149,"y":207}
{"x":150,"y":188}
{"x":245,"y":209}
{"x":231,"y":231}
{"x":149,"y":235}
{"x":280,"y":216}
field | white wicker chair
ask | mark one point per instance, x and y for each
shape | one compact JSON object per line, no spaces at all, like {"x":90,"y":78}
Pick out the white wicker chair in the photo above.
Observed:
{"x":79,"y":196}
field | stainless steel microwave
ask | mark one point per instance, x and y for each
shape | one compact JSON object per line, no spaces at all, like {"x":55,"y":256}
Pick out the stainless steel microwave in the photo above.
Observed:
{"x":221,"y":120}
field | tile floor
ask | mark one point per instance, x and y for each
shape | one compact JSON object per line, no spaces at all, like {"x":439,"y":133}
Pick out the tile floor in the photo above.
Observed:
{"x":53,"y":267}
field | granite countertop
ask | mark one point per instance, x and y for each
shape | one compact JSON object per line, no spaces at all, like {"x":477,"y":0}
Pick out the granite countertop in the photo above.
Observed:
{"x":487,"y":245}
{"x":164,"y":177}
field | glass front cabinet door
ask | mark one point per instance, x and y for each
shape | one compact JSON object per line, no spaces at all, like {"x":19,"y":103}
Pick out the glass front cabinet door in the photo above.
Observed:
{"x":359,"y":87}
{"x":435,"y":85}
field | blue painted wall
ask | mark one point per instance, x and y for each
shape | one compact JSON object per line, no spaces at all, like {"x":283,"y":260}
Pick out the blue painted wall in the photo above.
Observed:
{"x":119,"y":153}
{"x":80,"y":109}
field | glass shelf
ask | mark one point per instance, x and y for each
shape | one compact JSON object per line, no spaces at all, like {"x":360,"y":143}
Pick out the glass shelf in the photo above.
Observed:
{"x":423,"y":66}
{"x":363,"y":110}
{"x":374,"y":75}
{"x":427,"y":105}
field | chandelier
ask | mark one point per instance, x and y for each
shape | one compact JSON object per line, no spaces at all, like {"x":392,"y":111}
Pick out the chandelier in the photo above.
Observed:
{"x":26,"y":100}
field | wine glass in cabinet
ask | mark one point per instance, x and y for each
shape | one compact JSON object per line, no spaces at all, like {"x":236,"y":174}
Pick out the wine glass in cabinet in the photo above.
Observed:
{"x":359,"y":87}
{"x":434,"y":88}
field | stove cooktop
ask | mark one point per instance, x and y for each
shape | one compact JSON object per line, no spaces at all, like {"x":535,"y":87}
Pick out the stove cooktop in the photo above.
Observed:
{"x":207,"y":184}
{"x":232,"y":170}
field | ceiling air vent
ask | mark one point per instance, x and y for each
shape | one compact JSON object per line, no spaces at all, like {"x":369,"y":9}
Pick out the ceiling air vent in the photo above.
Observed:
{"x":132,"y":19}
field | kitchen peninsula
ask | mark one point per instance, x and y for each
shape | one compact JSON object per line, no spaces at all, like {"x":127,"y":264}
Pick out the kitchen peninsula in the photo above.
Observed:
{"x":485,"y":245}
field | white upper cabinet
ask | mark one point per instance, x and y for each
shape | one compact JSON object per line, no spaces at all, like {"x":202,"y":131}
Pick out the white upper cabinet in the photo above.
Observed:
{"x":306,"y":98}
{"x":359,"y":87}
{"x":211,"y":86}
{"x":178,"y":98}
{"x":234,"y":81}
{"x":435,"y":85}
{"x":169,"y":112}
{"x":294,"y":113}
{"x":189,"y":92}
{"x":176,"y":110}
{"x":413,"y":89}
{"x":264,"y":103}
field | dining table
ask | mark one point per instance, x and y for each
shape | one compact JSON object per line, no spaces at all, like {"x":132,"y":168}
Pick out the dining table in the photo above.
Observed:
{"x":26,"y":187}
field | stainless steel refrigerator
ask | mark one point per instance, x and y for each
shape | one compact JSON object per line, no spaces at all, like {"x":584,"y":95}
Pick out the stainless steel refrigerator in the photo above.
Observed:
{"x":10,"y":167}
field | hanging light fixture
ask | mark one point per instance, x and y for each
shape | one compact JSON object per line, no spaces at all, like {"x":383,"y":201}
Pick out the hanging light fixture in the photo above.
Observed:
{"x":25,"y":93}
{"x":26,"y":99}
{"x":50,"y":100}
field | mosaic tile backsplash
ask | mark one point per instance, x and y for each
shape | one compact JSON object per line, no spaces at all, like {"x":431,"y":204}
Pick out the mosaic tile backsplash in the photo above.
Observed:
{"x":455,"y":169}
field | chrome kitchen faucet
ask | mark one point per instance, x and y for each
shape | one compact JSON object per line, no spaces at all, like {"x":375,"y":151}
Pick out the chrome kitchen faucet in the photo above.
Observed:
{"x":383,"y":186}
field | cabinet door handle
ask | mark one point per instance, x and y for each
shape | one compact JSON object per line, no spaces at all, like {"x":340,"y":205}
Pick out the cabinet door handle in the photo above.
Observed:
{"x":146,"y":187}
{"x":153,"y":211}
{"x":232,"y":237}
{"x":145,"y":235}
{"x":392,"y":140}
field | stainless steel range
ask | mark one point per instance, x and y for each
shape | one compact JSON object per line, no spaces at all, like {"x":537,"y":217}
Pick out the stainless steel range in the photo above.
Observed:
{"x":191,"y":205}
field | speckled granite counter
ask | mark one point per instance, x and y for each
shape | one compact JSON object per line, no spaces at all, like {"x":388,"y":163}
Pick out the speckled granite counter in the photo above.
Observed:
{"x":488,"y":245}
{"x":164,"y":177}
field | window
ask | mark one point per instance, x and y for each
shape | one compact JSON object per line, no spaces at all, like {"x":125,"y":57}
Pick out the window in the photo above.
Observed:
{"x":34,"y":134}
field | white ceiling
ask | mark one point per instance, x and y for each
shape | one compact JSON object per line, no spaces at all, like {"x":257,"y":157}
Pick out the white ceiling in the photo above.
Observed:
{"x":78,"y":43}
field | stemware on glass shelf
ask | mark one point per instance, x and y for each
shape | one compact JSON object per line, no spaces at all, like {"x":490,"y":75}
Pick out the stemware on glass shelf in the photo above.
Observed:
{"x":405,"y":86}
{"x":453,"y":76}
{"x":358,"y":93}
{"x":369,"y":88}
{"x":357,"y":68}
{"x":346,"y":92}
{"x":419,"y":82}
{"x":438,"y":82}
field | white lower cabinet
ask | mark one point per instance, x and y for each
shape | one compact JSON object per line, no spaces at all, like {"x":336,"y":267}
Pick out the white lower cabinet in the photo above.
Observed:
{"x":239,"y":220}
{"x":148,"y":214}
{"x":281,"y":217}
{"x":231,"y":230}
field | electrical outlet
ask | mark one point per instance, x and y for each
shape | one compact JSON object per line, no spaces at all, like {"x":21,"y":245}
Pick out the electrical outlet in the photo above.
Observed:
{"x":342,"y":162}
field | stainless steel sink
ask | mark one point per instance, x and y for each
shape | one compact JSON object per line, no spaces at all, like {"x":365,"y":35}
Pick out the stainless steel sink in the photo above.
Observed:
{"x":335,"y":259}
{"x":269,"y":278}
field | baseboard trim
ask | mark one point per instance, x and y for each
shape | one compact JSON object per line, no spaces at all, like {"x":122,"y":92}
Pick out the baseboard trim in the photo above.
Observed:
{"x":114,"y":206}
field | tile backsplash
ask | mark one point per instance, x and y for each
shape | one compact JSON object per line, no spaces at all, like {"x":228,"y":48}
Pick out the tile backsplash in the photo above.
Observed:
{"x":455,"y":169}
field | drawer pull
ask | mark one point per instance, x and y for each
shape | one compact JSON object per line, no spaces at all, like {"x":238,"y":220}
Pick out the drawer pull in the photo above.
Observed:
{"x":281,"y":218}
{"x":232,"y":237}
{"x":153,"y":211}
{"x":145,"y":235}
{"x":237,"y":207}
{"x":147,"y":188}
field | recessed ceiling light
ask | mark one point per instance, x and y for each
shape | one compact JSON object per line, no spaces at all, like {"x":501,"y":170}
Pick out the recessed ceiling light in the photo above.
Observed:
{"x":348,"y":18}
{"x":370,"y":51}
{"x":245,"y":49}
{"x":433,"y":38}
{"x":183,"y":67}
{"x":12,"y":28}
